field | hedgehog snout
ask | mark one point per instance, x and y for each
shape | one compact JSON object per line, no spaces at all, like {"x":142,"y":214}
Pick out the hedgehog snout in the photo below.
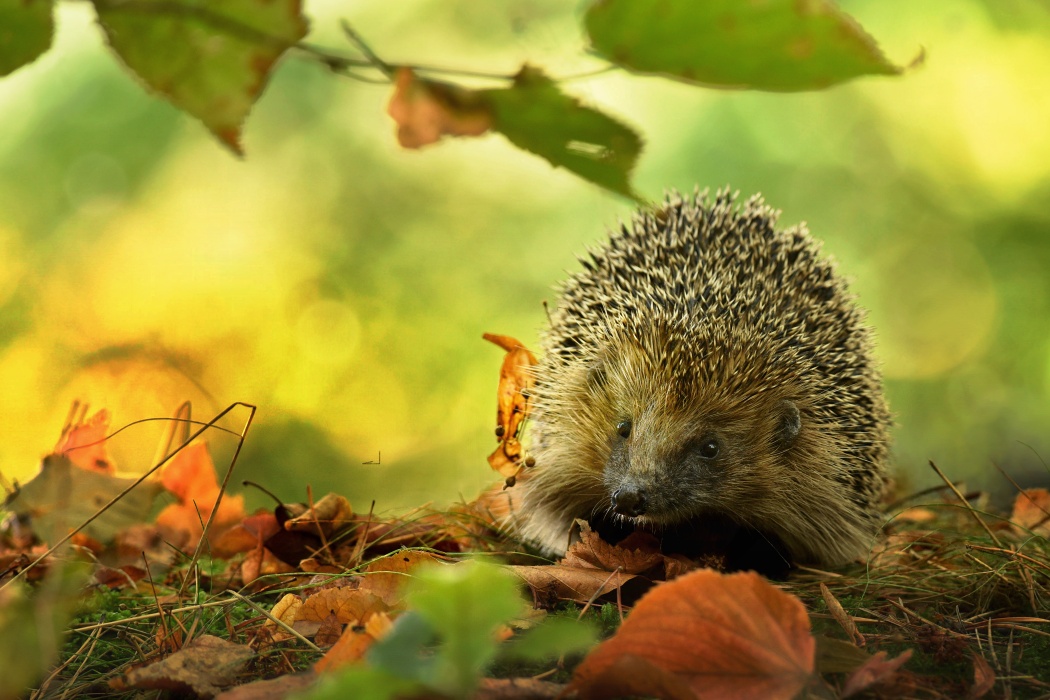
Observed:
{"x":630,"y":500}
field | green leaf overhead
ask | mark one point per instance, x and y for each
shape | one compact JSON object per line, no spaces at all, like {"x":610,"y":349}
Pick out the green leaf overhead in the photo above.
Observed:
{"x":210,"y":58}
{"x":26,"y":27}
{"x":776,"y":45}
{"x":536,"y":116}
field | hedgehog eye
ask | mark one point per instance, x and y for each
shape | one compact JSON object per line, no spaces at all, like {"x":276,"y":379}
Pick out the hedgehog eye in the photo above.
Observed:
{"x":708,"y":448}
{"x":623,"y":428}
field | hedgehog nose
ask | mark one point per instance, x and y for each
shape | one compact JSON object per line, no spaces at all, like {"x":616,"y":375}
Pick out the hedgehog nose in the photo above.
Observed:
{"x":629,"y":500}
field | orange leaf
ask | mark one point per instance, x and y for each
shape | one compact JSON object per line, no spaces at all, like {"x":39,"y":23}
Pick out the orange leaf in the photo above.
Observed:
{"x":350,"y":648}
{"x":1032,"y":511}
{"x":84,"y":443}
{"x":426,"y":110}
{"x":634,"y":555}
{"x":983,"y":677}
{"x":723,"y":635}
{"x":190,"y":477}
{"x":284,"y":610}
{"x":386,"y":577}
{"x":556,"y":582}
{"x":512,"y":403}
{"x":876,"y":669}
{"x":350,"y":605}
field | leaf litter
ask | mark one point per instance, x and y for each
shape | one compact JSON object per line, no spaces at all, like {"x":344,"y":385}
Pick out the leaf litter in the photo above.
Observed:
{"x":315,"y":598}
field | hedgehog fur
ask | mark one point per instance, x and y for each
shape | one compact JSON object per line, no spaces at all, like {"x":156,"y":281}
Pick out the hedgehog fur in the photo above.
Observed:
{"x":705,"y":364}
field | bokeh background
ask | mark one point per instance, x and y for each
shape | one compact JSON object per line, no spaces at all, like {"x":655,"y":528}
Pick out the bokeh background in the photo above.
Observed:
{"x":343,"y":285}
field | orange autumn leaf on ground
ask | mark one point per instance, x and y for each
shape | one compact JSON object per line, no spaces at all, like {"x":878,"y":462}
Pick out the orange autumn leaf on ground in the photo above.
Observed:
{"x":719,"y":635}
{"x":1032,"y":511}
{"x":83,"y":442}
{"x":426,"y":110}
{"x":190,"y":477}
{"x":512,"y":404}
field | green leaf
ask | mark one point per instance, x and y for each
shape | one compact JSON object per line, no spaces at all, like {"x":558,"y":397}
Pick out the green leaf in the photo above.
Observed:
{"x":26,"y":27}
{"x":779,"y":45}
{"x":464,"y":604}
{"x":553,"y":637}
{"x":210,"y":58}
{"x":536,"y":116}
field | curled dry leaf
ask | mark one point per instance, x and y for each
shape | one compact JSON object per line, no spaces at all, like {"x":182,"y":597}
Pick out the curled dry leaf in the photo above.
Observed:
{"x":286,"y":610}
{"x":204,"y":666}
{"x":354,"y":643}
{"x":1031,"y":512}
{"x":877,"y":669}
{"x":427,"y":110}
{"x":983,"y":678}
{"x":553,"y":583}
{"x":512,"y":403}
{"x":638,"y":553}
{"x":329,"y":514}
{"x":722,"y":635}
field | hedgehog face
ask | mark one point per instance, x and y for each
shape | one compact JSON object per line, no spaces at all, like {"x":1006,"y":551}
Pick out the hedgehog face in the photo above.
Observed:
{"x":674,"y":447}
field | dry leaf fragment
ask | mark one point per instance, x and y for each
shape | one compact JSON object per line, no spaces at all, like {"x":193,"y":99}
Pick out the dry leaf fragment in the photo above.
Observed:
{"x":517,"y":689}
{"x":327,"y":515}
{"x":1032,"y":512}
{"x":553,"y":583}
{"x":285,"y":610}
{"x":512,"y":403}
{"x":638,"y":553}
{"x":83,"y":442}
{"x":845,"y":621}
{"x":386,"y":577}
{"x":278,"y":688}
{"x":204,"y":666}
{"x":349,"y":648}
{"x":426,"y":110}
{"x":983,"y":678}
{"x":724,"y":635}
{"x":877,"y":669}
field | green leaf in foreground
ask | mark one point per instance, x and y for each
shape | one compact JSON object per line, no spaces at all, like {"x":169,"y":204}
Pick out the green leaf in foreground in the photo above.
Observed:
{"x":26,"y":27}
{"x":210,"y":58}
{"x":778,"y":45}
{"x":536,"y":116}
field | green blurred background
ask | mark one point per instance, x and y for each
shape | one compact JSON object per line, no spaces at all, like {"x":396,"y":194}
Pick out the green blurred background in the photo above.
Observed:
{"x":343,"y":285}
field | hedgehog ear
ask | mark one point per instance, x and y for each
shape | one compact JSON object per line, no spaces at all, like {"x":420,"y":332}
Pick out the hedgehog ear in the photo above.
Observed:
{"x":789,"y":424}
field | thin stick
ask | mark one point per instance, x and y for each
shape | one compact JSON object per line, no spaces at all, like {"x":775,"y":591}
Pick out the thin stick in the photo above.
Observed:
{"x":966,"y":504}
{"x":283,"y":625}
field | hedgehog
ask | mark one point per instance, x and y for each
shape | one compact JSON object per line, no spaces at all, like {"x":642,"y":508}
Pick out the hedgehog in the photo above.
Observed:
{"x":707,"y":370}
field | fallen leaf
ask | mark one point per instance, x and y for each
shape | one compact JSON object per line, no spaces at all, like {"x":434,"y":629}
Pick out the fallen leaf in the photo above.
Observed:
{"x":386,"y":577}
{"x":983,"y":678}
{"x":840,"y":616}
{"x":351,"y":606}
{"x":329,"y":632}
{"x":63,"y":496}
{"x":84,"y":442}
{"x":348,"y":649}
{"x":326,"y":516}
{"x":285,"y":610}
{"x":877,"y":669}
{"x":190,"y":477}
{"x":636,"y":554}
{"x":723,"y":635}
{"x":517,"y":689}
{"x":554,"y":583}
{"x":279,"y":688}
{"x":426,"y":110}
{"x":204,"y":666}
{"x":1031,"y":512}
{"x":512,"y":402}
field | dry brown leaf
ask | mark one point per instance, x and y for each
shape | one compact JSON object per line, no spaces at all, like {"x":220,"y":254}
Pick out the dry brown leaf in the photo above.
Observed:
{"x":725,"y":636}
{"x":386,"y":577}
{"x":917,"y":514}
{"x":983,"y":678}
{"x":379,"y":625}
{"x":552,"y":583}
{"x":329,"y":514}
{"x":427,"y":110}
{"x":204,"y":666}
{"x":877,"y":669}
{"x":284,"y":610}
{"x":329,"y":632}
{"x":351,"y":606}
{"x":638,"y":553}
{"x":517,"y":689}
{"x":845,"y":621}
{"x":512,"y":403}
{"x":278,"y":688}
{"x":1032,"y":511}
{"x":348,"y":649}
{"x":631,"y":675}
{"x":262,"y":562}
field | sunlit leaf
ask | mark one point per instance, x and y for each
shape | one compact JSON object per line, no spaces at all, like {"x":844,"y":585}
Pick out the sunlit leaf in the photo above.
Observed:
{"x":534,"y":114}
{"x":210,"y":58}
{"x":779,"y":45}
{"x":26,"y":27}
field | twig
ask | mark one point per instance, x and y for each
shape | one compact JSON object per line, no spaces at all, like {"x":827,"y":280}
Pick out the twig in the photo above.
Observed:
{"x":283,"y":625}
{"x":966,"y":504}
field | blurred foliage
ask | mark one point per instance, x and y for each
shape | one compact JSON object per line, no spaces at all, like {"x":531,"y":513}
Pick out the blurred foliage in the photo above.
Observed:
{"x":342,"y":284}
